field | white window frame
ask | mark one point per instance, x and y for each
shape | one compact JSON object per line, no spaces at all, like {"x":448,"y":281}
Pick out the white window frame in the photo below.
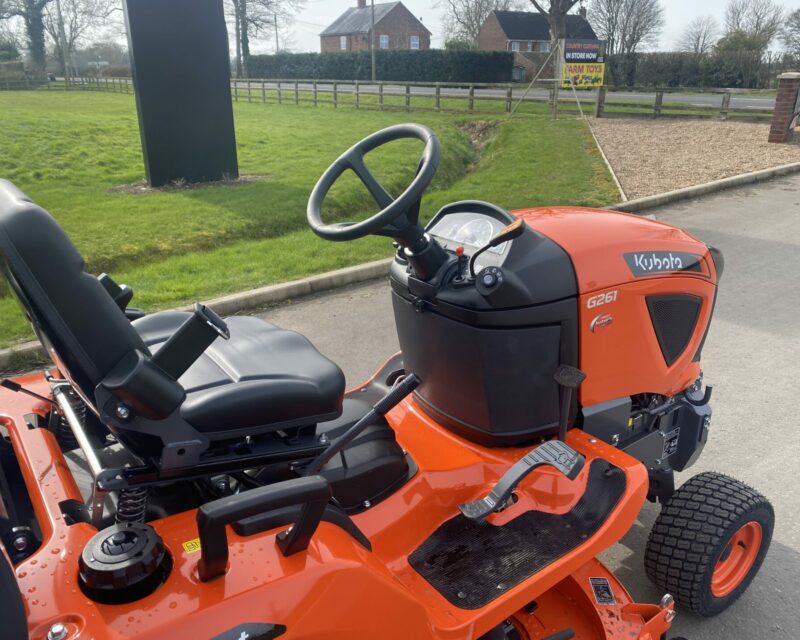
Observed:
{"x":515,"y":46}
{"x":413,"y":42}
{"x":544,"y":47}
{"x":343,"y":43}
{"x":383,"y":41}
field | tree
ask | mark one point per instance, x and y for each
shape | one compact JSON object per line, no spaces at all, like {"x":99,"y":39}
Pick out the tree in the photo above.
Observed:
{"x":699,"y":36}
{"x":759,"y":20}
{"x":32,"y":14}
{"x":460,"y":44}
{"x":9,"y":52}
{"x":80,"y":17}
{"x":253,"y":18}
{"x":463,"y":19}
{"x":627,"y":25}
{"x":556,"y":12}
{"x":790,"y":35}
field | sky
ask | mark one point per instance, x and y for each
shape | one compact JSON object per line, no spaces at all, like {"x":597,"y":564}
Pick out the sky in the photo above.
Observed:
{"x":318,"y":14}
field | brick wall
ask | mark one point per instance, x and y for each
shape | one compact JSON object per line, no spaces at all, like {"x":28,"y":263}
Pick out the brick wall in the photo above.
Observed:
{"x":491,"y":37}
{"x":785,"y":104}
{"x":399,"y":24}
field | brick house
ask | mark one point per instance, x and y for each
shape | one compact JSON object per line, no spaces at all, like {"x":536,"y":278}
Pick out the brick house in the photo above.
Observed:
{"x":395,"y":28}
{"x":526,"y":31}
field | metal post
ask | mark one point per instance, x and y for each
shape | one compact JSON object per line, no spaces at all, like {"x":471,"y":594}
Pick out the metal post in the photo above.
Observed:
{"x":438,"y":97}
{"x":335,"y":95}
{"x":380,"y":96}
{"x":408,"y":97}
{"x":508,"y":99}
{"x":559,"y":72}
{"x":277,"y":48}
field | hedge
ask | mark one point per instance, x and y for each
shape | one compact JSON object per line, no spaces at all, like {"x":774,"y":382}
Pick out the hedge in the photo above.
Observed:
{"x":743,"y":69}
{"x":432,"y":65}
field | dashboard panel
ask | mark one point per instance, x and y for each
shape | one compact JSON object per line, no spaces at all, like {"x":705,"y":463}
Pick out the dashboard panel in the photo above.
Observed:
{"x":471,"y":230}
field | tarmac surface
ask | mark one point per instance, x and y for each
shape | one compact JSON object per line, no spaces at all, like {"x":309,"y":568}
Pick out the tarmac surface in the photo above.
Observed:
{"x":752,"y":357}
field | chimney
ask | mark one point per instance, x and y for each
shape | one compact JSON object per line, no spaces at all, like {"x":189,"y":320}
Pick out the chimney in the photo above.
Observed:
{"x":362,"y":4}
{"x":582,"y":11}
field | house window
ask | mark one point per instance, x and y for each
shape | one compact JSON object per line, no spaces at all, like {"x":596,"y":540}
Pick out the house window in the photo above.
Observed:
{"x":384,"y":42}
{"x":515,"y":46}
{"x":343,"y":43}
{"x":544,"y":47}
{"x":414,"y":42}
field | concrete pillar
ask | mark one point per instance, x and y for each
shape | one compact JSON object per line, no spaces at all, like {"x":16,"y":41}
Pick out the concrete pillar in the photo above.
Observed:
{"x":786,"y":105}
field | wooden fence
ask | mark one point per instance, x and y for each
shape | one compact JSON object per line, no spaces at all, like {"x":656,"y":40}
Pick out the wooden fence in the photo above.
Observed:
{"x":472,"y":98}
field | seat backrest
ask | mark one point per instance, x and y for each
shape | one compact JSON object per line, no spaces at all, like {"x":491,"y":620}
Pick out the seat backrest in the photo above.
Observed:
{"x":78,"y":322}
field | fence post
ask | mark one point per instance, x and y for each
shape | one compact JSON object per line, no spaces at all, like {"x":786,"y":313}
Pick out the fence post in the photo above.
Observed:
{"x":471,"y":98}
{"x":236,"y":90}
{"x":315,"y":93}
{"x":356,"y":97}
{"x":508,"y":98}
{"x":438,"y":97}
{"x":726,"y":104}
{"x":658,"y":103}
{"x":296,"y":93}
{"x":408,"y":97}
{"x":600,"y":105}
{"x":249,"y":90}
{"x":335,"y":95}
{"x":263,"y":91}
{"x":380,"y":96}
{"x":280,"y":93}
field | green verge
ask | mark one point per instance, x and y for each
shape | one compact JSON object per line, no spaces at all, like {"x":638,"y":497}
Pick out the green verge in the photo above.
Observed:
{"x":69,"y":151}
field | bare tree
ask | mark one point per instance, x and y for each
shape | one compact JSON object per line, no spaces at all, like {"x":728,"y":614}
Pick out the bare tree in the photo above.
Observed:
{"x":790,"y":35}
{"x":758,"y":19}
{"x":463,"y":19}
{"x":81,"y":17}
{"x":627,"y":25}
{"x":31,"y":12}
{"x":259,"y":18}
{"x":556,"y":12}
{"x":699,"y":36}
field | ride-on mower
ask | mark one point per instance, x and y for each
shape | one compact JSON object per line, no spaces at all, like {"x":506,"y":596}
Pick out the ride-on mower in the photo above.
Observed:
{"x":177,"y":475}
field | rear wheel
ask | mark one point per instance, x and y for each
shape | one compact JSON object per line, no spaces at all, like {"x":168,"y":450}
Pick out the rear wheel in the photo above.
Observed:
{"x":709,"y":542}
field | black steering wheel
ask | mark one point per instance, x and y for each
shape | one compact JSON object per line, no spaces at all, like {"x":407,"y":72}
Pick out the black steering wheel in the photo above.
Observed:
{"x":397,"y":215}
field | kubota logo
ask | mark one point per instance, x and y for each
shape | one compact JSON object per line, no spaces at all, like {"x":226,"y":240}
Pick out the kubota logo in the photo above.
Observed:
{"x":643,"y":263}
{"x":601,"y":322}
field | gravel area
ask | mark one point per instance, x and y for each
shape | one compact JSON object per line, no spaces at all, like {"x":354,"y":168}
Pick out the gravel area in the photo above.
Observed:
{"x":654,"y":156}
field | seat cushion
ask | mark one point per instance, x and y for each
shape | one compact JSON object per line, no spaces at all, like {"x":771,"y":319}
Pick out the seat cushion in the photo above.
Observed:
{"x":263,"y":376}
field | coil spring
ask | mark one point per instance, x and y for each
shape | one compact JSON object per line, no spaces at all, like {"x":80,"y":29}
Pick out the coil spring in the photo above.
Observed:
{"x":66,"y":438}
{"x":131,"y":505}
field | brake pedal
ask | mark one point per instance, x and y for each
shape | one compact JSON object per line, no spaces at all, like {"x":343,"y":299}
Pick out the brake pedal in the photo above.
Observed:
{"x":555,"y":453}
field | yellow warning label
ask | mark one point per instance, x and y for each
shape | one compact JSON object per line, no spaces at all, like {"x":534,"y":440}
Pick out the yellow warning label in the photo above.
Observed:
{"x":192,"y":546}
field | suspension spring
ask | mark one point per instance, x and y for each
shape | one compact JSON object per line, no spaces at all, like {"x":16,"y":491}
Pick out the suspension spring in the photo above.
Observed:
{"x":131,"y":504}
{"x":66,"y":438}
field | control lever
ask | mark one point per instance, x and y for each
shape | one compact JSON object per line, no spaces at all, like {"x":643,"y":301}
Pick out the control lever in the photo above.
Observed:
{"x":400,"y":390}
{"x":555,"y":453}
{"x":570,"y":378}
{"x":510,"y":232}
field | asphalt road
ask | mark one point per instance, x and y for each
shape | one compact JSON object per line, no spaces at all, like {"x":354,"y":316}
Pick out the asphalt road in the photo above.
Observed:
{"x":752,"y":357}
{"x":693,"y":99}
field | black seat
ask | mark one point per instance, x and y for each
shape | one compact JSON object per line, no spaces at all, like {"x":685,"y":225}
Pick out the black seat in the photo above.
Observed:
{"x":262,"y":375}
{"x":262,"y":380}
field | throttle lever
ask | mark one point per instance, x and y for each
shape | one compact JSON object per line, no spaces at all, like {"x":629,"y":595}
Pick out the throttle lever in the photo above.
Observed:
{"x":555,"y":453}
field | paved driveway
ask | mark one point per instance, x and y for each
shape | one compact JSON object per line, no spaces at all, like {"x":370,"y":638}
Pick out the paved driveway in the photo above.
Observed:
{"x":752,"y":357}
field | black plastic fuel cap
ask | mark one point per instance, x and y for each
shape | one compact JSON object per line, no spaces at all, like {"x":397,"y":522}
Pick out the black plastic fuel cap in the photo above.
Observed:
{"x":123,"y":563}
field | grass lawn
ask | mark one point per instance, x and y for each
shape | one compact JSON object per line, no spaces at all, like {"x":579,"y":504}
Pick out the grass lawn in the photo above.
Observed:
{"x":69,"y":150}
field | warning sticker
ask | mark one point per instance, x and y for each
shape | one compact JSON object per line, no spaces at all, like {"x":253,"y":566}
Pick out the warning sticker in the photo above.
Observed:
{"x":671,"y":442}
{"x":603,"y":594}
{"x":192,"y":546}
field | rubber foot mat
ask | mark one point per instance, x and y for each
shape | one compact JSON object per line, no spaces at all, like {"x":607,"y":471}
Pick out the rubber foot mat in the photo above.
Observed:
{"x":471,"y":563}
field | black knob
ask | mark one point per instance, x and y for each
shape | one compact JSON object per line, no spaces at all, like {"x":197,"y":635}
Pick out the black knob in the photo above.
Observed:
{"x":489,"y":280}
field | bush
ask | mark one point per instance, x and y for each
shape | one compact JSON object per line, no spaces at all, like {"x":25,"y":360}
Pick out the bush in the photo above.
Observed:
{"x":432,"y":65}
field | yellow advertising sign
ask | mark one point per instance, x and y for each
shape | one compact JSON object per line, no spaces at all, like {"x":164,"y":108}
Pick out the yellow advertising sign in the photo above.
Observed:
{"x":582,"y":74}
